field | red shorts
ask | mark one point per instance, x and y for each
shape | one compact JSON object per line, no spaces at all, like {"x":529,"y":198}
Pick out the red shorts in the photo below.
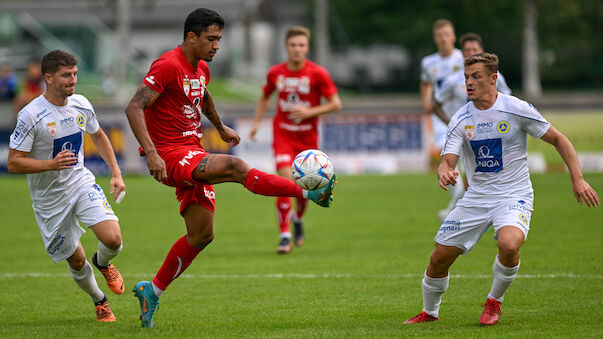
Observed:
{"x":287,"y":145}
{"x":180,"y":163}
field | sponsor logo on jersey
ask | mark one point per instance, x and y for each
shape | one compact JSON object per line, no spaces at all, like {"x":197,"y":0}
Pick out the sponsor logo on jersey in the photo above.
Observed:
{"x":488,"y":155}
{"x":469,"y":129}
{"x":55,"y":244}
{"x":187,"y":157}
{"x":67,"y":122}
{"x":518,"y":207}
{"x":41,"y":113}
{"x":209,"y":194}
{"x":151,"y":79}
{"x":189,"y":111}
{"x":503,"y":127}
{"x":71,"y":143}
{"x":19,"y":129}
{"x":485,"y":127}
{"x":81,"y":120}
{"x":524,"y":220}
{"x":107,"y":205}
{"x":196,"y":93}
{"x":51,"y":127}
{"x":195,"y":84}
{"x":202,"y":79}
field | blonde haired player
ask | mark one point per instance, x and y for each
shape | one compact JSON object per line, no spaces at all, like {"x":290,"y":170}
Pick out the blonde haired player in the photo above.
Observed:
{"x":500,"y":192}
{"x":47,"y":145}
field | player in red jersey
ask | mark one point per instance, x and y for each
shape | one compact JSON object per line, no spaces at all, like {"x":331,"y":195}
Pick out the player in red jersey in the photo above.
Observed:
{"x":300,"y":84}
{"x":165,"y":115}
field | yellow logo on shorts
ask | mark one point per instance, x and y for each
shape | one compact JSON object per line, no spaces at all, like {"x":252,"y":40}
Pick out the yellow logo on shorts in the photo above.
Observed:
{"x":503,"y":127}
{"x":81,"y":120}
{"x":523,"y":218}
{"x":107,"y":205}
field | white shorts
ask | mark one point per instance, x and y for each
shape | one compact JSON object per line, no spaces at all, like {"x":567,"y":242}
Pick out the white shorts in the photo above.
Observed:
{"x":59,"y":227}
{"x":464,"y":226}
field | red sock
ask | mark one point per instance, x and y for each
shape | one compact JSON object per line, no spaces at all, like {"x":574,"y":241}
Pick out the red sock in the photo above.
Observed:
{"x":301,"y":207}
{"x":180,"y":256}
{"x":283,"y":212}
{"x":263,"y":183}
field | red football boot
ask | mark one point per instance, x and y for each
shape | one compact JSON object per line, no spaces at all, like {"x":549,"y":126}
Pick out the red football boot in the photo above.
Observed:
{"x":421,"y":318}
{"x":491,"y":312}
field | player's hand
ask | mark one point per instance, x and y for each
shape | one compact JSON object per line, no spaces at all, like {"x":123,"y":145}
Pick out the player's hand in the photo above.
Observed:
{"x":229,"y":135}
{"x":299,"y":113}
{"x":117,"y":186}
{"x":156,"y":166}
{"x":583,"y":191}
{"x":63,"y":160}
{"x":252,"y":132}
{"x":448,"y":178}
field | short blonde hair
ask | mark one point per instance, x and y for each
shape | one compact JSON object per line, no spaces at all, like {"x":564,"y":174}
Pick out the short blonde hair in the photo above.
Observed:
{"x":441,"y":23}
{"x":295,"y":31}
{"x":490,"y":61}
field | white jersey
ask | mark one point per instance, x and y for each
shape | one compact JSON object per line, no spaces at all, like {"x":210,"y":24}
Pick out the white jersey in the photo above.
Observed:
{"x":43,"y":130}
{"x":494,"y":145}
{"x":434,"y":67}
{"x":452,"y":93}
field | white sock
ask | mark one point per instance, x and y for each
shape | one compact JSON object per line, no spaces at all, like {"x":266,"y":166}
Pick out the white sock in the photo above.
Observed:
{"x":157,"y":290}
{"x":84,"y":278}
{"x":433,"y":288}
{"x":503,"y":277}
{"x":105,"y":254}
{"x":456,"y":192}
{"x":285,"y":235}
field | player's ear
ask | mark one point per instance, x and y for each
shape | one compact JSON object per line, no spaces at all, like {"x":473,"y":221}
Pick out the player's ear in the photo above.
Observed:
{"x":191,"y":37}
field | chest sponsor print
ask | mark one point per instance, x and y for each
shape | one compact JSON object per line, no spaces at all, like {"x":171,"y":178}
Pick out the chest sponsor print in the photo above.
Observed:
{"x":71,"y":143}
{"x":488,"y":155}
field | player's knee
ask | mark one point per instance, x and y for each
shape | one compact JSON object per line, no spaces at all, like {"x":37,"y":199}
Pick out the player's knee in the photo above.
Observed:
{"x":77,"y":263}
{"x":237,"y":168}
{"x":439,"y":260}
{"x":201,"y":240}
{"x":113,"y":241}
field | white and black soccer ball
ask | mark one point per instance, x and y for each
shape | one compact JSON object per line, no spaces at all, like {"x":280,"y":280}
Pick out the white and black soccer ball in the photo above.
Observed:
{"x":312,"y":169}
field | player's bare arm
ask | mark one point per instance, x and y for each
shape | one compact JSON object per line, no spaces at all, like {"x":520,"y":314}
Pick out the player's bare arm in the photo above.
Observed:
{"x":426,"y":89}
{"x":209,"y":110}
{"x":447,"y":173}
{"x":103,"y":144}
{"x":19,"y":163}
{"x":144,"y":98}
{"x":300,"y":113}
{"x":582,"y":190}
{"x":437,"y":109}
{"x":260,"y":111}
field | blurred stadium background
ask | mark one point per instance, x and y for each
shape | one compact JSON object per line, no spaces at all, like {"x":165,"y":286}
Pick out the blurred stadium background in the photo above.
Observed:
{"x":372,"y":49}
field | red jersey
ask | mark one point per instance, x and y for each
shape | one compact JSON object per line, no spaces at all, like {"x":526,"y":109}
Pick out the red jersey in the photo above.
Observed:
{"x":175,"y":117}
{"x":298,"y":88}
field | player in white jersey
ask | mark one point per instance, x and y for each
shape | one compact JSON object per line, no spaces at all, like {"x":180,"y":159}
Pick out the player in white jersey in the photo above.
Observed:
{"x":47,"y":145}
{"x":491,"y":131}
{"x":434,"y":69}
{"x":451,"y":95}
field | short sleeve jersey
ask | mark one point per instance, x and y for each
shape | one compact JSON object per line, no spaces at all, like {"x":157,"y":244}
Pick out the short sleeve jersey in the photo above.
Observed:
{"x":43,"y":130}
{"x":435,"y":68}
{"x":298,"y":88}
{"x":175,"y":117}
{"x":494,"y":146}
{"x":452,"y":94}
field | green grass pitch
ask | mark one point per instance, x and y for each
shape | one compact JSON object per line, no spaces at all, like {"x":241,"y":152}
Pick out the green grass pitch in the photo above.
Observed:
{"x":358,"y":275}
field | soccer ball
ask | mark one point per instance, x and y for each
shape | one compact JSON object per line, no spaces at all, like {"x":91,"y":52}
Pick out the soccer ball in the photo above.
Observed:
{"x":312,"y":169}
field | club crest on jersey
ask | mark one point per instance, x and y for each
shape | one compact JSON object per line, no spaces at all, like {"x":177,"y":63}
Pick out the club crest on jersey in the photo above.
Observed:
{"x":51,"y":127}
{"x":202,"y":79}
{"x":469,"y":129}
{"x":523,"y":219}
{"x":503,"y":127}
{"x":186,"y":85}
{"x":80,"y":120}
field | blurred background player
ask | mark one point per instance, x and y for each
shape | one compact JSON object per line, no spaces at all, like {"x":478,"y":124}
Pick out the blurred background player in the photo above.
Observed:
{"x":8,"y":83}
{"x":47,"y":145}
{"x":165,"y":116}
{"x":500,"y":192}
{"x":434,"y":68}
{"x":452,"y":95}
{"x":33,"y":85}
{"x":300,"y":85}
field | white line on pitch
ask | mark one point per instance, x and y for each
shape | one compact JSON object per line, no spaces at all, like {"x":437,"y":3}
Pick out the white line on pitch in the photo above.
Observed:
{"x":320,"y":276}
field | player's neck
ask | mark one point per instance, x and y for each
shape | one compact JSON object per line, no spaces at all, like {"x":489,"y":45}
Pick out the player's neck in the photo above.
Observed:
{"x":295,"y":66}
{"x":57,"y":100}
{"x":188,"y":55}
{"x":486,"y":101}
{"x":446,"y":52}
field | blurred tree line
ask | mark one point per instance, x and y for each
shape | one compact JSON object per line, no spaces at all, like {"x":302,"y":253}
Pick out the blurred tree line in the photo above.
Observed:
{"x":570,"y":34}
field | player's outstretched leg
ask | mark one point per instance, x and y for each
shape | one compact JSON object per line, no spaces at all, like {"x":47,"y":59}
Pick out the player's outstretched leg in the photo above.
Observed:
{"x":148,"y":302}
{"x":103,"y":311}
{"x":324,"y":196}
{"x":491,"y":312}
{"x":112,"y":276}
